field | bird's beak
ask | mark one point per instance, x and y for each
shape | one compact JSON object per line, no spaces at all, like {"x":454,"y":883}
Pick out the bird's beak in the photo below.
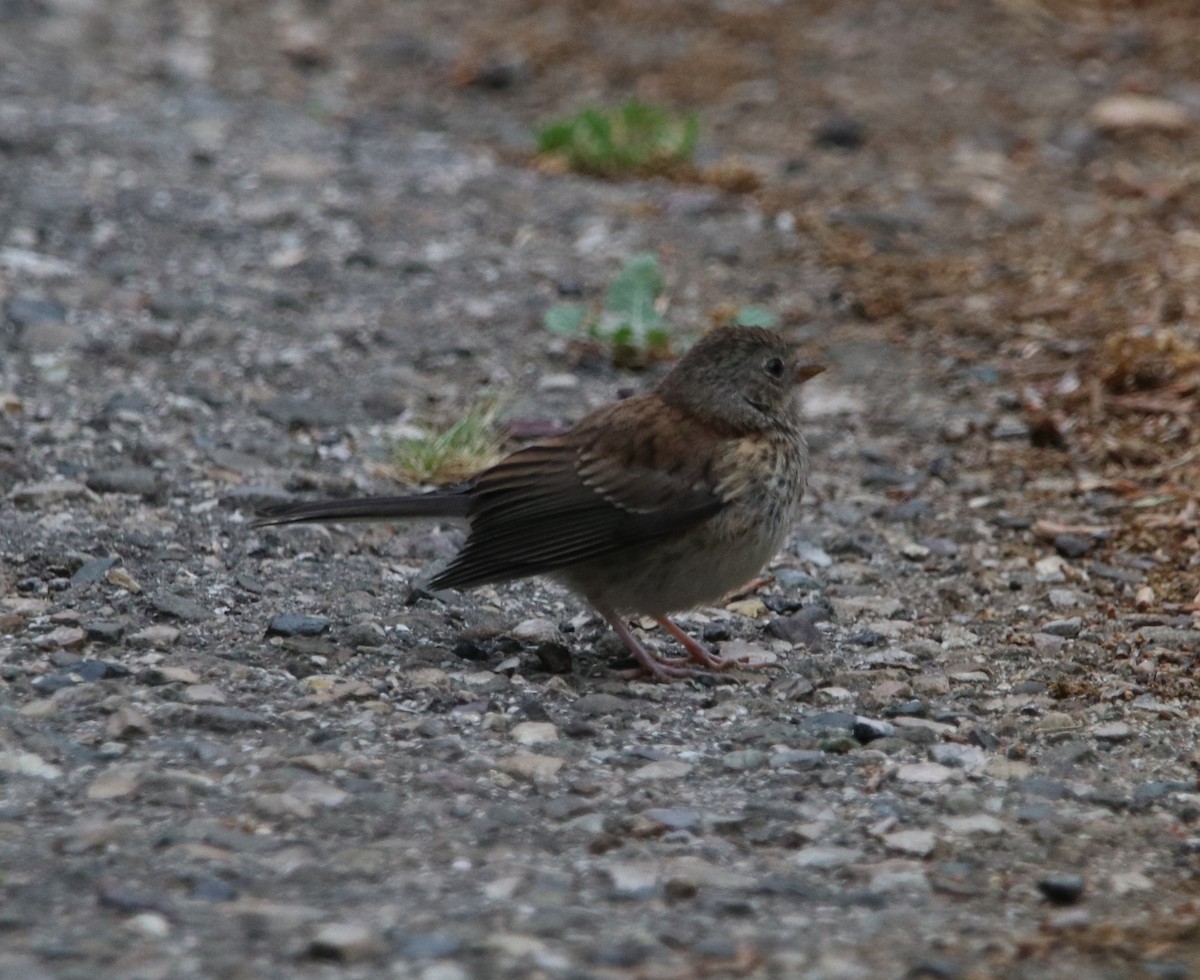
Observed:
{"x":806,"y":370}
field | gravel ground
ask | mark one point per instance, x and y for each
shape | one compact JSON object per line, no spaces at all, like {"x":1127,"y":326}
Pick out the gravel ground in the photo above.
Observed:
{"x":243,"y":247}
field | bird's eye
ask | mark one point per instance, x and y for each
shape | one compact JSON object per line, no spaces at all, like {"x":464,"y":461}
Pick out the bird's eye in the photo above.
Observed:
{"x":774,"y":367}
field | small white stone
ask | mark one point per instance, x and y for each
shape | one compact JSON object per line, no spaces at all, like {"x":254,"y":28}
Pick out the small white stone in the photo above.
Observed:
{"x":924,"y":772}
{"x":976,"y":823}
{"x":918,"y":843}
{"x":534,"y":732}
{"x":663,"y":769}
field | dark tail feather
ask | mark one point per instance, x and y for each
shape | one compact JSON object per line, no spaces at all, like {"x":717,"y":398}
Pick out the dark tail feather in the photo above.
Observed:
{"x":436,"y":503}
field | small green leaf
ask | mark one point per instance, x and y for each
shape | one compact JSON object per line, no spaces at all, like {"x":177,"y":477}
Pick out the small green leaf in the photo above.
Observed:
{"x":564,"y":318}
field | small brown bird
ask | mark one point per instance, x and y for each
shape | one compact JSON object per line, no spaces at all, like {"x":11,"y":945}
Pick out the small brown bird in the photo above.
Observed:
{"x":650,"y":505}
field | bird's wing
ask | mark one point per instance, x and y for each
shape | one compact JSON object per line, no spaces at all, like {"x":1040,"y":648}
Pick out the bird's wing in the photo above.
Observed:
{"x":619,"y":478}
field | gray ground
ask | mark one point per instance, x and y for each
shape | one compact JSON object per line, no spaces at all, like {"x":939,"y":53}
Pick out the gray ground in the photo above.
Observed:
{"x":243,"y":246}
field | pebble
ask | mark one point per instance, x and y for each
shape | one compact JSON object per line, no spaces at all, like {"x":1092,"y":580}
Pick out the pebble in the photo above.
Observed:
{"x":63,"y":638}
{"x":801,"y":760}
{"x":797,"y":629}
{"x":974,"y":824}
{"x":1067,"y":628}
{"x":223,"y":718}
{"x":346,"y":942}
{"x":917,"y":843}
{"x":744,"y":760}
{"x":297,"y":624}
{"x":167,"y":674}
{"x":139,"y":481}
{"x":1116,"y":731}
{"x":121,"y":578}
{"x":155,"y":636}
{"x":909,"y":882}
{"x":93,"y":570}
{"x":675,"y":818}
{"x":958,"y":756}
{"x":20,"y":763}
{"x":1073,"y":545}
{"x":529,"y":765}
{"x":204,"y":694}
{"x":663,"y":769}
{"x":534,"y":631}
{"x":594,"y":705}
{"x":534,"y":732}
{"x":180,"y":607}
{"x":1123,"y":113}
{"x":1063,"y":598}
{"x":46,"y":494}
{"x":866,"y":730}
{"x":104,"y":632}
{"x":924,"y":772}
{"x":825,"y":857}
{"x":1062,"y":888}
{"x":1049,"y":569}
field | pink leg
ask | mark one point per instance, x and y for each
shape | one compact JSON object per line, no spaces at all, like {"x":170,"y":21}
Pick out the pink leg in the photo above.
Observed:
{"x":698,"y":652}
{"x":659,"y":668}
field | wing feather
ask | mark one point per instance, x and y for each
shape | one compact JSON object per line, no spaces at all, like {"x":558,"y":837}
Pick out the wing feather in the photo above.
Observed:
{"x":589,"y":493}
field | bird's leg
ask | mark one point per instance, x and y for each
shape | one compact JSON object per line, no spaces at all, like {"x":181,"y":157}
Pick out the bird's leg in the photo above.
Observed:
{"x":660,"y":668}
{"x":698,"y":652}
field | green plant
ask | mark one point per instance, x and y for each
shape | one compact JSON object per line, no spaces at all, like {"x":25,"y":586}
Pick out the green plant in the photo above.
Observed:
{"x":632,"y":138}
{"x":629,"y":324}
{"x":465,"y":447}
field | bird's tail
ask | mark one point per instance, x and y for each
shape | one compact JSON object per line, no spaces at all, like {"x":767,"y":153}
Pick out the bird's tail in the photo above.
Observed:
{"x":436,"y":503}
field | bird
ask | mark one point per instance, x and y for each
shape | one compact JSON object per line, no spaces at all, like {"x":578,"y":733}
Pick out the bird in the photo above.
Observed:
{"x":647,"y":506}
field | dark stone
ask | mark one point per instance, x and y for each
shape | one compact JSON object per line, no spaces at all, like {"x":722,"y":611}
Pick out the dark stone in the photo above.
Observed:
{"x":940,"y":547}
{"x":179,"y":607}
{"x":868,"y":729}
{"x":1073,"y":545}
{"x":840,"y":133}
{"x":555,"y":658}
{"x":168,"y":304}
{"x":717,"y":631}
{"x":1062,"y":888}
{"x":100,"y":670}
{"x":297,"y":624}
{"x":226,"y":718}
{"x":1049,"y":789}
{"x":22,"y":312}
{"x":907,"y":709}
{"x":470,"y":650}
{"x":211,"y":889}
{"x":140,"y":481}
{"x":430,"y":946}
{"x":797,"y":629}
{"x":866,"y":638}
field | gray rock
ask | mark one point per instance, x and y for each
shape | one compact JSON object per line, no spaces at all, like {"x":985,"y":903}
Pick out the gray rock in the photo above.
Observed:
{"x":744,"y":760}
{"x":593,"y":705}
{"x":141,"y":481}
{"x":180,"y":607}
{"x":1066,"y":628}
{"x":297,"y":624}
{"x":227,"y":718}
{"x":93,"y":571}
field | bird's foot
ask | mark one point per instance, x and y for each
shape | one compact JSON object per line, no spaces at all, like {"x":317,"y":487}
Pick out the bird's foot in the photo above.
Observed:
{"x":664,"y":669}
{"x":700,"y":654}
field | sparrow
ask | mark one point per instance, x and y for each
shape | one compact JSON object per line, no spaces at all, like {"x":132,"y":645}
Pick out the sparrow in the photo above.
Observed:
{"x":648,"y":506}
